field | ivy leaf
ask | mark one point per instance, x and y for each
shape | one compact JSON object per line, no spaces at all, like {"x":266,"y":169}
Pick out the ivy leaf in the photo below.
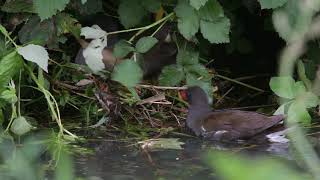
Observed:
{"x":271,"y":4}
{"x":122,"y":49}
{"x":171,"y":75}
{"x":36,"y":54}
{"x":131,"y":13}
{"x":297,"y":112}
{"x":20,"y":126}
{"x":127,"y":73}
{"x":187,"y":57}
{"x":197,"y":4}
{"x":151,"y":5}
{"x":188,"y":20}
{"x":145,"y":44}
{"x":283,"y":86}
{"x":48,"y":8}
{"x":216,"y":31}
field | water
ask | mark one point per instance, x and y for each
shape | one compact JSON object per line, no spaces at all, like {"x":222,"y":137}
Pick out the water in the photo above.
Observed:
{"x":124,"y":161}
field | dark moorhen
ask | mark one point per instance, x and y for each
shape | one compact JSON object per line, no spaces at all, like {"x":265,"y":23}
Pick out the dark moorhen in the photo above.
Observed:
{"x":223,"y":125}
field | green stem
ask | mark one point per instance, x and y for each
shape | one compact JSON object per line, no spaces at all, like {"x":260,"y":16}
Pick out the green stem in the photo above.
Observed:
{"x":142,"y":29}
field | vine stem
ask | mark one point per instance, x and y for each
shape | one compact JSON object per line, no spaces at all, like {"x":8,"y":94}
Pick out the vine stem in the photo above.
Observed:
{"x":142,"y":29}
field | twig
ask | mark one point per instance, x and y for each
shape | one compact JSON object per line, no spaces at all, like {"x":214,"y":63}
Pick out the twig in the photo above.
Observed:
{"x":240,"y":83}
{"x":161,"y":87}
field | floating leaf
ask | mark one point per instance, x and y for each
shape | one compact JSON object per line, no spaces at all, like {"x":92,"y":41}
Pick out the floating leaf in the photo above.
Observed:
{"x":36,"y":54}
{"x":20,"y":126}
{"x":145,"y":44}
{"x":127,"y":73}
{"x":162,"y":143}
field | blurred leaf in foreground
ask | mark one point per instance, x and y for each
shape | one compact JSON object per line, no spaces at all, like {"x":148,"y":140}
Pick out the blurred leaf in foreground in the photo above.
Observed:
{"x":235,"y":167}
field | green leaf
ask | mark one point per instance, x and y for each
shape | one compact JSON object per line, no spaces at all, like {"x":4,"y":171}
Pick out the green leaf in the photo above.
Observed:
{"x":89,"y":8}
{"x":197,"y":4}
{"x":127,"y":73}
{"x":36,"y":54}
{"x":67,"y":24}
{"x":216,"y":31}
{"x":283,"y":86}
{"x":282,"y":108}
{"x":192,"y":80}
{"x":20,"y":126}
{"x":286,"y":18}
{"x":298,"y":88}
{"x":145,"y":44}
{"x":151,"y":5}
{"x":48,"y":8}
{"x":232,"y":166}
{"x":131,"y":13}
{"x":122,"y":49}
{"x":187,"y":57}
{"x":18,"y":6}
{"x":188,"y":20}
{"x":198,"y":70}
{"x":10,"y":65}
{"x":309,"y":99}
{"x":212,"y":11}
{"x":9,"y":96}
{"x":162,"y":143}
{"x":271,"y":4}
{"x":36,"y":31}
{"x":171,"y":75}
{"x":297,"y":112}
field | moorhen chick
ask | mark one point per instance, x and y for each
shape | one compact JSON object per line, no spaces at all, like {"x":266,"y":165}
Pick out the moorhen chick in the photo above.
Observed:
{"x":223,"y":125}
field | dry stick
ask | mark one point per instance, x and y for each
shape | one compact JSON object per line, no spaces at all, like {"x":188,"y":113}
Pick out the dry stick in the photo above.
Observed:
{"x":224,"y":95}
{"x":240,"y":83}
{"x":161,"y":87}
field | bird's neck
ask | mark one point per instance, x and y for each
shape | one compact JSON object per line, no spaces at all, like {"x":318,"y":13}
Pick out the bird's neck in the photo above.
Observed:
{"x":195,"y":116}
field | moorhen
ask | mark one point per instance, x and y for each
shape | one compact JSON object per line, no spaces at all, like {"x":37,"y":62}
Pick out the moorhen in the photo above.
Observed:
{"x":223,"y":125}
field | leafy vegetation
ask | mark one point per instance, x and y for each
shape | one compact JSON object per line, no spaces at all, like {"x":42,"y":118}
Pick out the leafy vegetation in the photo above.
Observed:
{"x":39,"y":79}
